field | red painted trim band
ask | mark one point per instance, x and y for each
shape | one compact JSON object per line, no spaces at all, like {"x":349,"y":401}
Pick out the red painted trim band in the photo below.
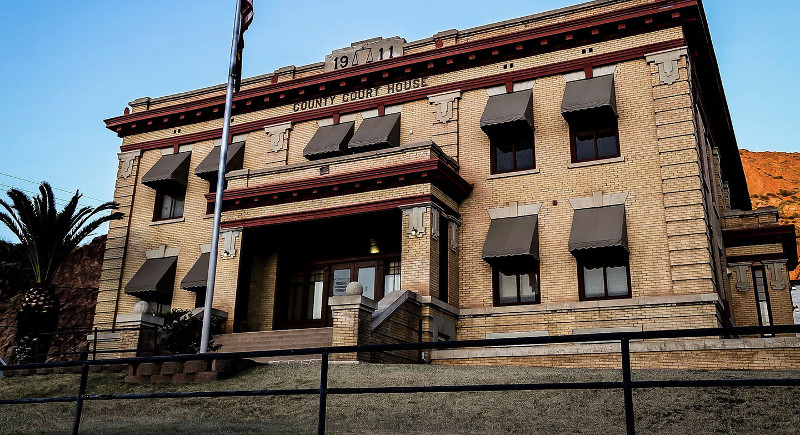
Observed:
{"x":335,"y":212}
{"x":407,"y":60}
{"x":464,"y":85}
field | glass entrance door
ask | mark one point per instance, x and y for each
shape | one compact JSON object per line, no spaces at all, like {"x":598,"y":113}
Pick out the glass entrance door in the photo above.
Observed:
{"x":305,"y":299}
{"x":364,"y":272}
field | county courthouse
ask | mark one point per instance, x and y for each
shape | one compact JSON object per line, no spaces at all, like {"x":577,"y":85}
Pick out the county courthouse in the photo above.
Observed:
{"x":566,"y":172}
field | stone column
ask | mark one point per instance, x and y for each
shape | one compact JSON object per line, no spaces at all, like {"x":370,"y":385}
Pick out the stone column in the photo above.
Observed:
{"x":117,"y":243}
{"x":138,"y":332}
{"x":227,"y":278}
{"x":681,"y":178}
{"x":419,"y":266}
{"x":352,"y":322}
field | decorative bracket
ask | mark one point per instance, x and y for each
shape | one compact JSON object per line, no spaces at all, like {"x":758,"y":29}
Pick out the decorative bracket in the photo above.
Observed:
{"x":667,"y":62}
{"x":741,"y":269}
{"x":777,"y":273}
{"x":444,"y":105}
{"x":229,"y":243}
{"x":278,"y":136}
{"x":453,"y":227}
{"x":126,"y":160}
{"x":416,"y":225}
{"x":435,"y":216}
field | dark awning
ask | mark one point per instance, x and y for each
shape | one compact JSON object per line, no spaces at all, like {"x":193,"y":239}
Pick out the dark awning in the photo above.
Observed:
{"x":197,"y":277}
{"x":329,"y":141}
{"x":599,"y":227}
{"x":512,"y":238}
{"x":594,"y":95}
{"x":377,"y":132}
{"x":513,"y":109}
{"x":171,"y":170}
{"x":208,"y":167}
{"x":154,"y":280}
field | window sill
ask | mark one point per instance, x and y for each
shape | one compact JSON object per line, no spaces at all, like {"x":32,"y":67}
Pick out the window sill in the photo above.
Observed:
{"x":513,"y":174}
{"x":596,"y":162}
{"x":167,"y":221}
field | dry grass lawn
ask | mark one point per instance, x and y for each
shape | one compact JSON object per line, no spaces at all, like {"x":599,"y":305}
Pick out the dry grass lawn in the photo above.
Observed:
{"x":663,"y":411}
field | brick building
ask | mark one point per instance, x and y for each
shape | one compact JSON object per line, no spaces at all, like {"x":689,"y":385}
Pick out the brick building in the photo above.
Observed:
{"x":565,"y":172}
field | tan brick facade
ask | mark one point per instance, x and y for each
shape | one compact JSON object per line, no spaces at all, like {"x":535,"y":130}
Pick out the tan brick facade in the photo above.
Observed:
{"x":678,"y":187}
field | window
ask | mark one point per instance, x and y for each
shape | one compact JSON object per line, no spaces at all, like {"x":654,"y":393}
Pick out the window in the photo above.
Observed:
{"x":604,"y":276}
{"x":391,"y":279}
{"x":594,"y":139}
{"x":444,"y":268}
{"x":169,"y":205}
{"x":762,"y":297}
{"x":516,"y":285}
{"x":512,"y":150}
{"x":306,"y":295}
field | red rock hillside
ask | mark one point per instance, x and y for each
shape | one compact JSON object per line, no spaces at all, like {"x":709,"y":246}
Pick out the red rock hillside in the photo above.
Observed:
{"x":773,"y":179}
{"x":76,"y":289}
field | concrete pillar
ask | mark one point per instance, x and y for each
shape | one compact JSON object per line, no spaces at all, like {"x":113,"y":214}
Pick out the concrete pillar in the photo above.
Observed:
{"x":352,"y":324}
{"x":419,"y":256}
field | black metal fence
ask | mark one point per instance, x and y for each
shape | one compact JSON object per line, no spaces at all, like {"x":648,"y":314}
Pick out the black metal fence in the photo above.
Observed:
{"x":626,"y":384}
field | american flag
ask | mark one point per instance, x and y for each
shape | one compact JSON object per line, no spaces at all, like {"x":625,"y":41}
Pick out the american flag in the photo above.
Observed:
{"x":246,"y":18}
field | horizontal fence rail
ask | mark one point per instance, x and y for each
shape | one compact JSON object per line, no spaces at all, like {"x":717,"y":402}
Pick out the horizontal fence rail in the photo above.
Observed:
{"x":626,"y":384}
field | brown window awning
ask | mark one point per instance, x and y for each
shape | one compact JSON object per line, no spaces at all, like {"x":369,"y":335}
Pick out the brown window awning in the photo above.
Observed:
{"x":514,"y":109}
{"x":589,"y":96}
{"x":329,"y":141}
{"x":208,"y":168}
{"x":378,"y":132}
{"x":512,"y":238}
{"x":171,"y":170}
{"x":599,"y":227}
{"x":154,"y":280}
{"x":196,"y":279}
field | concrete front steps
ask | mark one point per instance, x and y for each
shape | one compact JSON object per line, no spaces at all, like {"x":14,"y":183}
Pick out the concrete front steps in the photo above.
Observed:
{"x":277,"y":340}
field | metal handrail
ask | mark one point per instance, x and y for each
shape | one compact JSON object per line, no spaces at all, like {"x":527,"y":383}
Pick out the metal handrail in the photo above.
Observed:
{"x":626,"y":384}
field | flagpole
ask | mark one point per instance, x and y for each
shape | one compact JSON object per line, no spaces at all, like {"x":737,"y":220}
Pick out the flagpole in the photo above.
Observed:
{"x":223,"y":153}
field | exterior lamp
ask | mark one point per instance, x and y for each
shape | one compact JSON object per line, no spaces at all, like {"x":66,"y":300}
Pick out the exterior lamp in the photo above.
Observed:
{"x":373,"y":247}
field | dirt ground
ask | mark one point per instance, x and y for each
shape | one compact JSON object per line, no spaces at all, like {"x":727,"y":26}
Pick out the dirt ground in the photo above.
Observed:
{"x":745,"y":410}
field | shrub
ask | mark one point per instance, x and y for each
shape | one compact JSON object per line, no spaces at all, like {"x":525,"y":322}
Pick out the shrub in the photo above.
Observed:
{"x":181,"y":333}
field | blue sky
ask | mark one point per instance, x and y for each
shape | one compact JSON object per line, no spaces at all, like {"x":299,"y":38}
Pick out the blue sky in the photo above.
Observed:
{"x":67,"y":65}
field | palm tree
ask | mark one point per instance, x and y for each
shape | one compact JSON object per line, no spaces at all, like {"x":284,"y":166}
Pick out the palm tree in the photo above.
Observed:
{"x":47,"y":236}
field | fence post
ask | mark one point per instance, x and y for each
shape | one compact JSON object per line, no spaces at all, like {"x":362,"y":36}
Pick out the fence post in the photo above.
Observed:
{"x":76,"y":420}
{"x":94,"y":350}
{"x":627,"y":389}
{"x":323,"y":393}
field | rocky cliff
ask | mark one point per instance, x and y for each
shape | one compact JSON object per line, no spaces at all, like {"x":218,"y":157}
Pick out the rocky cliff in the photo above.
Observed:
{"x":774,"y":181}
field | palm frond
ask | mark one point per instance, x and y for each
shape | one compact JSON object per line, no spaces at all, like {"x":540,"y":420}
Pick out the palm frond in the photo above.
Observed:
{"x":47,"y":234}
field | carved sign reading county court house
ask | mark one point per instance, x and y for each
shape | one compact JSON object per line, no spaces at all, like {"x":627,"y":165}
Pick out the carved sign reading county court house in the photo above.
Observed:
{"x":359,"y":53}
{"x":361,"y":94}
